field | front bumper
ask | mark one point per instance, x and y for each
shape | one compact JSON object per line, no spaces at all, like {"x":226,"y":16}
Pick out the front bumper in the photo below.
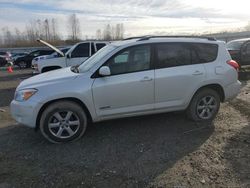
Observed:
{"x":25,"y":113}
{"x":232,"y":90}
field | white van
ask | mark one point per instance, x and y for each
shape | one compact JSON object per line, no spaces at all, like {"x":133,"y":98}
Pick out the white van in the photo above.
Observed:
{"x":74,"y":56}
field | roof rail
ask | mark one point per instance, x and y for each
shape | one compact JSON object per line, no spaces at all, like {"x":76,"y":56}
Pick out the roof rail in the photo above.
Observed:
{"x":139,"y":37}
{"x":174,"y":36}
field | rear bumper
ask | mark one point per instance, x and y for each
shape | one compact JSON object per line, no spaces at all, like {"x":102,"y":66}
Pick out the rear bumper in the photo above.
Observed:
{"x":232,"y":90}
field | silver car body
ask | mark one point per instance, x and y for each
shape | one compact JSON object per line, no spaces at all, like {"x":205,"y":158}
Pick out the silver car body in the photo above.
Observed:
{"x":131,"y":94}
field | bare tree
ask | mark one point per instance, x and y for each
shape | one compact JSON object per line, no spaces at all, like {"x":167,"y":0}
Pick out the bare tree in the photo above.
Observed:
{"x":122,"y":30}
{"x":74,"y":27}
{"x":99,"y":34}
{"x":55,"y":34}
{"x":111,"y":32}
{"x":118,"y":32}
{"x":47,"y":29}
{"x":8,"y":37}
{"x":107,"y":32}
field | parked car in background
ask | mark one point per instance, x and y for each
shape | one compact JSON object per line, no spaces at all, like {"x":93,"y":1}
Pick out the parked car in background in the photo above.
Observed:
{"x":17,"y":55}
{"x":5,"y":58}
{"x":25,"y":61}
{"x":74,"y":56}
{"x":134,"y":77}
{"x":240,"y":50}
{"x":36,"y":60}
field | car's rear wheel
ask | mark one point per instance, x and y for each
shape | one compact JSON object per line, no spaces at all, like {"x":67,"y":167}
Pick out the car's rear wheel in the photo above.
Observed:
{"x":204,"y":105}
{"x":63,"y":121}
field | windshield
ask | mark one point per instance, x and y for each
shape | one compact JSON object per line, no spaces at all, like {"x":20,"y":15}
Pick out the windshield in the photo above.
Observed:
{"x":89,"y":63}
{"x":234,"y":45}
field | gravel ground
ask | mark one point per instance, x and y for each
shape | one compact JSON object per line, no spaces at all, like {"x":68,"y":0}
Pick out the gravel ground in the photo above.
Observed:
{"x":165,"y":150}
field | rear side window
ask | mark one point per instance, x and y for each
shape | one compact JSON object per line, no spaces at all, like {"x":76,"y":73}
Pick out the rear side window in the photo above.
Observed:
{"x":100,"y":45}
{"x":173,"y":54}
{"x":206,"y":52}
{"x":181,"y":54}
{"x":82,"y":50}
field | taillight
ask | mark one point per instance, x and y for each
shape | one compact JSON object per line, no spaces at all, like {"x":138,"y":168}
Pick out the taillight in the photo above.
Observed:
{"x":234,"y":64}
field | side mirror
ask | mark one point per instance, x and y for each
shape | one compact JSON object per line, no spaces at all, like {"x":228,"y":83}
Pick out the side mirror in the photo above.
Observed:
{"x":104,"y":71}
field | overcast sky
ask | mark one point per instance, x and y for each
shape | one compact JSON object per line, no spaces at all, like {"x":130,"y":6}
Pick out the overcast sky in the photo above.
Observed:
{"x":140,"y":17}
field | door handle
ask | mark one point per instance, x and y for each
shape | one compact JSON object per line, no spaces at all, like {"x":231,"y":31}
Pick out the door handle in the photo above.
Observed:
{"x":197,"y":73}
{"x":146,"y":79}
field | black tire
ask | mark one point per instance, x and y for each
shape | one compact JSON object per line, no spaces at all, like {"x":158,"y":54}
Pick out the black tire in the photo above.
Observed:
{"x":197,"y":105}
{"x":49,"y":119}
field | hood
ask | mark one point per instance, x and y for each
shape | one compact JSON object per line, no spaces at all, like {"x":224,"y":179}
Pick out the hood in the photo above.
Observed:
{"x":51,"y":46}
{"x":45,"y":57}
{"x":41,"y":57}
{"x":51,"y":77}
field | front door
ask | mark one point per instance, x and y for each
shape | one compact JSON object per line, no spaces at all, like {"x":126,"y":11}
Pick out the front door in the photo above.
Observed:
{"x":130,"y":88}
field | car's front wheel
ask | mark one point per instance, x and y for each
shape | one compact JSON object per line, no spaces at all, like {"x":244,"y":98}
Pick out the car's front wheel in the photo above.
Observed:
{"x":204,"y":105}
{"x":63,"y":121}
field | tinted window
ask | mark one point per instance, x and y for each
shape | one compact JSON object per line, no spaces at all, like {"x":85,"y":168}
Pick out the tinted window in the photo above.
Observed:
{"x":35,"y":53}
{"x":92,"y":48}
{"x":82,"y":50}
{"x":206,"y":52}
{"x":2,"y":53}
{"x":173,"y":54}
{"x":130,"y":60}
{"x":248,"y":49}
{"x":180,"y":54}
{"x":100,"y":45}
{"x":65,"y":50}
{"x":235,"y":45}
{"x":46,"y":52}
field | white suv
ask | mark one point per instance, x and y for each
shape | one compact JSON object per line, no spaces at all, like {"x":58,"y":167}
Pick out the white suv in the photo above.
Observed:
{"x":133,"y":77}
{"x":77,"y":54}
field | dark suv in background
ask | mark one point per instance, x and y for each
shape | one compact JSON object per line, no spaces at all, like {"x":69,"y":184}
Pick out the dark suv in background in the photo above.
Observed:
{"x":240,"y":50}
{"x":25,"y":61}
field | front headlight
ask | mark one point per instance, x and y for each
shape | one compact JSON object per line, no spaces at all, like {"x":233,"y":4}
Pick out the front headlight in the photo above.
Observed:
{"x":24,"y":95}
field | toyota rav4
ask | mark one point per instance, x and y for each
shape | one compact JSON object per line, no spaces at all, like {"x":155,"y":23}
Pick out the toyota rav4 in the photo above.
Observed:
{"x":133,"y":77}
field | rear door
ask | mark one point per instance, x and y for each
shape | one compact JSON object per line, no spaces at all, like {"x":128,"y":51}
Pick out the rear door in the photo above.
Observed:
{"x":177,"y":74}
{"x":79,"y":54}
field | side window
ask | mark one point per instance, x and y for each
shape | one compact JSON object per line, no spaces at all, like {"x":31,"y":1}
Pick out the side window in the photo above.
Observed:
{"x":173,"y":54}
{"x":35,"y":54}
{"x":206,"y":52}
{"x":82,"y":50}
{"x":100,"y":45}
{"x":92,"y":48}
{"x":248,"y":49}
{"x":130,"y":60}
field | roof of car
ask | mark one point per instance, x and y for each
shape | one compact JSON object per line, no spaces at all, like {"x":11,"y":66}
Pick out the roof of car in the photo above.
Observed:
{"x":240,"y":40}
{"x":153,"y":39}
